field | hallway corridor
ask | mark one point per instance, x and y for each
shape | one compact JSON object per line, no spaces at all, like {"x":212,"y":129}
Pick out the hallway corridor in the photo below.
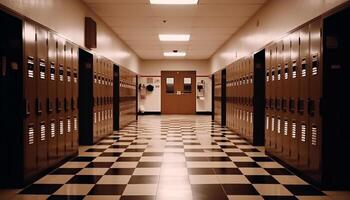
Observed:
{"x":172,"y":157}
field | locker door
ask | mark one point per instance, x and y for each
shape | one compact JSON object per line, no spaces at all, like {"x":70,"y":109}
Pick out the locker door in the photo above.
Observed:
{"x":60,"y":98}
{"x":74,"y":102}
{"x":227,"y":97}
{"x":250,"y":97}
{"x":286,"y":76}
{"x":294,"y":92}
{"x":267,"y":99}
{"x":29,"y":94}
{"x":273,"y":98}
{"x":41,"y":100}
{"x":303,"y":139}
{"x":315,"y":91}
{"x":68,"y":99}
{"x":278,"y":100}
{"x":52,"y":95}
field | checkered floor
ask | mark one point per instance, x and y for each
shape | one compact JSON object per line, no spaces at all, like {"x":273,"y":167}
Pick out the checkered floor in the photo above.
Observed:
{"x":172,"y":157}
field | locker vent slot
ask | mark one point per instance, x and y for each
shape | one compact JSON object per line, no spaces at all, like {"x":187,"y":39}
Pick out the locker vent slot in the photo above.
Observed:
{"x":61,"y":127}
{"x":315,"y":65}
{"x":285,"y":127}
{"x":272,"y":123}
{"x":42,"y":67}
{"x":60,"y":72}
{"x":294,"y":130}
{"x":99,"y":79}
{"x":52,"y":129}
{"x":278,"y":125}
{"x":294,"y":69}
{"x":273,"y":74}
{"x":68,"y":75}
{"x":75,"y":76}
{"x":267,"y":76}
{"x":247,"y":115}
{"x":75,"y":123}
{"x":267,"y":123}
{"x":99,"y":116}
{"x":30,"y":134}
{"x":69,"y":125}
{"x":52,"y":71}
{"x":286,"y":71}
{"x":251,"y":118}
{"x":314,"y":135}
{"x":103,"y":115}
{"x":251,"y":79}
{"x":95,"y":78}
{"x":95,"y":117}
{"x":303,"y":68}
{"x":279,"y":73}
{"x":303,"y":133}
{"x":30,"y":66}
{"x":42,"y":131}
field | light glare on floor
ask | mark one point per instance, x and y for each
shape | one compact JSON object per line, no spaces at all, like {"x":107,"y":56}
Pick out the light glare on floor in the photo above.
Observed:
{"x":174,"y":54}
{"x":174,"y":37}
{"x":185,"y":2}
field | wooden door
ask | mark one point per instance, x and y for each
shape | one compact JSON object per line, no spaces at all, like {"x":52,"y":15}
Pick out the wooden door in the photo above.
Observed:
{"x":178,"y":92}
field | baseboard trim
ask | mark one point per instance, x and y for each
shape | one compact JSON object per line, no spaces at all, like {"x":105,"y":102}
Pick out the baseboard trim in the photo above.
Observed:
{"x":150,"y":113}
{"x":204,"y":113}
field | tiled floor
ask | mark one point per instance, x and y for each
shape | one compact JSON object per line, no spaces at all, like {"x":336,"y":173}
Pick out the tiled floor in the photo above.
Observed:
{"x":172,"y":157}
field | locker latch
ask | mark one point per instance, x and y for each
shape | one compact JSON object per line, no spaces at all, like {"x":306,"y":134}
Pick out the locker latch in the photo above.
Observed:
{"x":58,"y":105}
{"x":38,"y":106}
{"x":311,"y":107}
{"x":291,"y":105}
{"x":300,"y":106}
{"x":27,"y":107}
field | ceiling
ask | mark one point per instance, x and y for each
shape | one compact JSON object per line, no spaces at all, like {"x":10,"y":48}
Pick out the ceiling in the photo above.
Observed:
{"x":210,"y":23}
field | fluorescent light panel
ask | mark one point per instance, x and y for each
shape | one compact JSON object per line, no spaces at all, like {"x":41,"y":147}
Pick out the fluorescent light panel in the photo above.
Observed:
{"x":174,"y":54}
{"x":174,"y":2}
{"x":174,"y":37}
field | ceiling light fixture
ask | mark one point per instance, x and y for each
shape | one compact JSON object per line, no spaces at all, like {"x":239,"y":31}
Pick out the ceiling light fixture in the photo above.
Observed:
{"x":174,"y":54}
{"x":175,"y":2}
{"x":174,"y":37}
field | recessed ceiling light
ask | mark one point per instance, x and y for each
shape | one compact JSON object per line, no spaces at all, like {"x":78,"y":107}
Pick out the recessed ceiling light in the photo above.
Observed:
{"x":174,"y":54}
{"x":179,"y":2}
{"x":174,"y":37}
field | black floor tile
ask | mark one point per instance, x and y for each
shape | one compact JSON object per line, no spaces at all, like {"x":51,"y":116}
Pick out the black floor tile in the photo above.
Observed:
{"x":153,"y":154}
{"x":280,"y":198}
{"x":149,"y":164}
{"x":110,"y":154}
{"x":144,"y":180}
{"x":246,"y":164}
{"x":107,"y":190}
{"x":278,"y":171}
{"x":83,"y":159}
{"x":66,"y":171}
{"x":303,"y":190}
{"x":95,"y":150}
{"x":219,"y":159}
{"x":236,"y":154}
{"x":120,"y":171}
{"x":196,"y":159}
{"x":66,"y":197}
{"x":85,"y":179}
{"x":200,"y":171}
{"x":208,"y":192}
{"x":134,"y":150}
{"x":128,"y":159}
{"x":262,"y":179}
{"x":41,"y":189}
{"x":99,"y":165}
{"x":138,"y":197}
{"x":262,"y":159}
{"x":227,"y":171}
{"x":240,"y":189}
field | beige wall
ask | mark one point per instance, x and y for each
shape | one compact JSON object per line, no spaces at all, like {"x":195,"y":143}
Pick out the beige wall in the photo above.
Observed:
{"x":154,"y":67}
{"x":276,"y":18}
{"x":67,"y":18}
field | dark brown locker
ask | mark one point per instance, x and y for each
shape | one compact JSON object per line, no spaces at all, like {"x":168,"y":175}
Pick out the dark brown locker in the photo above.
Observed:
{"x":294,"y":93}
{"x":74,"y":103}
{"x":250,"y":98}
{"x":41,"y":100}
{"x":29,"y":95}
{"x":273,"y":87}
{"x":286,"y":76}
{"x":303,"y":139}
{"x":52,"y":95}
{"x":68,"y":99}
{"x":278,"y":99}
{"x":315,"y":91}
{"x":267,"y":99}
{"x":95,"y":97}
{"x":217,"y":97}
{"x":60,"y":98}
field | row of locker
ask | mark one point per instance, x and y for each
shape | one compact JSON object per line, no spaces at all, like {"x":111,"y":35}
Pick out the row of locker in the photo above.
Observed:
{"x":218,"y":97}
{"x":127,"y":97}
{"x":40,"y":83}
{"x":239,"y":97}
{"x":293,"y":96}
{"x":102,"y":97}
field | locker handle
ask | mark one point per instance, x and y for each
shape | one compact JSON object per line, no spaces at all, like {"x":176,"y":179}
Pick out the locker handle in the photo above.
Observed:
{"x":58,"y":105}
{"x":311,"y":107}
{"x":72,"y":104}
{"x":49,"y":105}
{"x":300,"y":106}
{"x":38,"y":106}
{"x":291,"y":105}
{"x":65,"y":104}
{"x":27,"y":107}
